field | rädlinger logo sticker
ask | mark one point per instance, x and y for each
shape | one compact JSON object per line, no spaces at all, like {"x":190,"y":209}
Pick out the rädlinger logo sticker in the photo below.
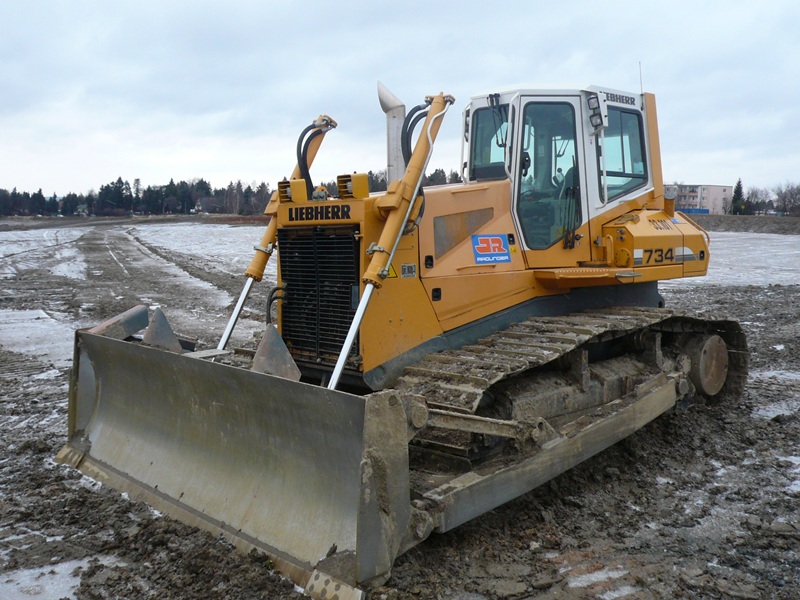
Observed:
{"x":491,"y":248}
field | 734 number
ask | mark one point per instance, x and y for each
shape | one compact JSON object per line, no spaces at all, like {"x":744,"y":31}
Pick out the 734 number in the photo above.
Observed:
{"x":659,"y":255}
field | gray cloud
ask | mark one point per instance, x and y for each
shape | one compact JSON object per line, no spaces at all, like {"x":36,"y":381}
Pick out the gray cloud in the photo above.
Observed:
{"x":97,"y":90}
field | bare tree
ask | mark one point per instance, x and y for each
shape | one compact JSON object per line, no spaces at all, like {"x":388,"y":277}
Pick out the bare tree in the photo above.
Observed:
{"x":787,"y":198}
{"x":758,"y":200}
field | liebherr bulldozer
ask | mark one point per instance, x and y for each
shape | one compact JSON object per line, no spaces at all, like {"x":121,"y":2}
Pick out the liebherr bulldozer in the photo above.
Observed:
{"x":430,"y":352}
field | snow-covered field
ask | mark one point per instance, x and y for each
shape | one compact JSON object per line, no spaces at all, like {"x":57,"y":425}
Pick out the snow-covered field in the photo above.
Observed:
{"x":750,"y":259}
{"x":227,"y":247}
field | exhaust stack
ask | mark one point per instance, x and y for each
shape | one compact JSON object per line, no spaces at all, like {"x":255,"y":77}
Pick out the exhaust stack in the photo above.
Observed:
{"x":395,"y":115}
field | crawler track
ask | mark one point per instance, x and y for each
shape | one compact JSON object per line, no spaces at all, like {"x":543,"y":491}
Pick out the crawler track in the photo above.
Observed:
{"x":546,"y":376}
{"x":458,"y":379}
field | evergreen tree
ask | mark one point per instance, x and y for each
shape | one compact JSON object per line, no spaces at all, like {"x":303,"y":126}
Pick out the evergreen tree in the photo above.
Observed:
{"x":184,"y":197}
{"x":331,"y":187}
{"x":438,"y":177}
{"x":263,"y":195}
{"x":246,"y":206}
{"x":69,"y":205}
{"x":170,"y":197}
{"x":51,"y":205}
{"x":6,"y":208}
{"x":91,"y":202}
{"x":37,"y":203}
{"x":153,"y":200}
{"x":737,"y":202}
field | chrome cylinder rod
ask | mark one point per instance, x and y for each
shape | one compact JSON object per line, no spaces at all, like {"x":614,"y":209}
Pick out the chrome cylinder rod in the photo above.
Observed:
{"x":236,"y":312}
{"x":351,"y":336}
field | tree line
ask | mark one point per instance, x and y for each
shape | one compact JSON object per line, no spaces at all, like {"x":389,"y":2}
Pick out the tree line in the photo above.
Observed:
{"x":782,"y":199}
{"x":120,"y":198}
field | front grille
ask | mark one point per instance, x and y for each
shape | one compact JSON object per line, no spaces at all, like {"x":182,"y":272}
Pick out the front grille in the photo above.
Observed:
{"x":320,"y":269}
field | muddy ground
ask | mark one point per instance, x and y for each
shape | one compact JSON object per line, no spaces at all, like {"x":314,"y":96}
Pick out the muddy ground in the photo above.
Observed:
{"x":702,"y":503}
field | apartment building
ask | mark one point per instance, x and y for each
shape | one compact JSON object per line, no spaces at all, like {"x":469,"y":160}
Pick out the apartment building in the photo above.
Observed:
{"x":701,"y":198}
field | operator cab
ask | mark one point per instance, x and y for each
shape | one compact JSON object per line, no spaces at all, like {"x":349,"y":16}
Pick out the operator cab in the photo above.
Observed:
{"x":552,"y":154}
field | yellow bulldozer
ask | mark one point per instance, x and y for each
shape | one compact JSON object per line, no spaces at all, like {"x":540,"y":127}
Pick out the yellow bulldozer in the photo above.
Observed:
{"x":430,"y":353}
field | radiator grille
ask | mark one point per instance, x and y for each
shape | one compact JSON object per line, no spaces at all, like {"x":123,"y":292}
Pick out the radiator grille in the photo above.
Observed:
{"x":320,"y":269}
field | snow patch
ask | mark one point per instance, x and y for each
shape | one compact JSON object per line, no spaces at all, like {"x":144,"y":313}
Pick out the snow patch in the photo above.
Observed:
{"x":591,"y":578}
{"x":89,"y":483}
{"x":775,"y":375}
{"x":625,"y":590}
{"x":50,"y":374}
{"x":788,"y":406}
{"x":71,"y":265}
{"x":795,"y":460}
{"x":785,"y":406}
{"x":36,"y":334}
{"x":51,"y":582}
{"x":37,"y":240}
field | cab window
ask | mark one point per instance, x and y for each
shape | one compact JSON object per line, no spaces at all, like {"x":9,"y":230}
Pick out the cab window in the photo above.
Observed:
{"x":623,"y":151}
{"x":488,"y":129}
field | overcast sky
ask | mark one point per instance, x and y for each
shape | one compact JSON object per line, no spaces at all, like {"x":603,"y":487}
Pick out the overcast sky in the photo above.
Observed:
{"x":92,"y":91}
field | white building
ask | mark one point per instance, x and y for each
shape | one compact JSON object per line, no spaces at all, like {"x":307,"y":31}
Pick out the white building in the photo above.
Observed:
{"x":701,"y":198}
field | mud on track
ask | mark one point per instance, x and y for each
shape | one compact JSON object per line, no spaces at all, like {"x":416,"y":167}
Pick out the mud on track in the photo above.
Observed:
{"x":702,"y":503}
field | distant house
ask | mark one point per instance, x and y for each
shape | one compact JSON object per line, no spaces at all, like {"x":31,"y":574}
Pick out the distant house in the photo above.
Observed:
{"x":701,"y":198}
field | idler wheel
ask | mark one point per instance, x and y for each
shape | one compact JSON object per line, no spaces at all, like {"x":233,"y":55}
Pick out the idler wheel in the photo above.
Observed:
{"x":709,"y":356}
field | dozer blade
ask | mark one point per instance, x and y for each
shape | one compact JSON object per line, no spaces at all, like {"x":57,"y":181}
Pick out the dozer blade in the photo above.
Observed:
{"x":316,"y":478}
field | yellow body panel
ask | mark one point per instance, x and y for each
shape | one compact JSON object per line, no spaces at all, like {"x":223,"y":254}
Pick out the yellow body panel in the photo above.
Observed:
{"x":470,"y":291}
{"x":468,"y":298}
{"x":653,"y":239}
{"x":453,"y":214}
{"x":400,"y":315}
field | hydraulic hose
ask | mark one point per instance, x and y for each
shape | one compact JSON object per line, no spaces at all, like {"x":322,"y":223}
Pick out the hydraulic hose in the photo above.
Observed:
{"x":412,"y":226}
{"x":307,"y":177}
{"x":272,"y":298}
{"x":409,"y":123}
{"x":302,"y":157}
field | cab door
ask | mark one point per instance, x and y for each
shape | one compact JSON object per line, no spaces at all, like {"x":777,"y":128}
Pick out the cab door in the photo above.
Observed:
{"x":549,"y":203}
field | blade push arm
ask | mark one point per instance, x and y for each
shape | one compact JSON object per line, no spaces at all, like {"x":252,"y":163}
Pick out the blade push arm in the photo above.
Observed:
{"x":396,"y":206}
